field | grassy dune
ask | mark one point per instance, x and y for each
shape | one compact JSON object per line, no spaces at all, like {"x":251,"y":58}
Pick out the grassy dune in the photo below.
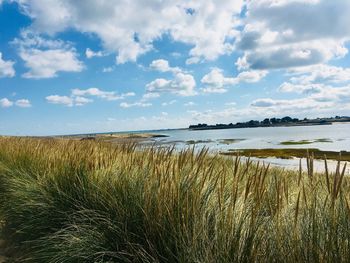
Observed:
{"x":84,"y":201}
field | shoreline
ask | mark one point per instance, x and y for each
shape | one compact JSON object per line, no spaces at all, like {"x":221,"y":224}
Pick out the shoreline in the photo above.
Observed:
{"x":224,"y":127}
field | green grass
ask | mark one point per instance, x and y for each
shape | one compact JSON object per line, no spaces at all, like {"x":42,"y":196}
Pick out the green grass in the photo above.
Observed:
{"x":85,"y":201}
{"x":230,"y":141}
{"x":192,"y":142}
{"x":288,"y":153}
{"x":326,"y":140}
{"x":301,"y":142}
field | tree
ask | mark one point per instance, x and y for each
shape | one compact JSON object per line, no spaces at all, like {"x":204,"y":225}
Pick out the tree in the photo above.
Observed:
{"x":286,"y":119}
{"x":266,"y":121}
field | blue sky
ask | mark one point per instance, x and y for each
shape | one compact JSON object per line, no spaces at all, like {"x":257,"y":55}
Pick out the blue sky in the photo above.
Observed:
{"x":96,"y":66}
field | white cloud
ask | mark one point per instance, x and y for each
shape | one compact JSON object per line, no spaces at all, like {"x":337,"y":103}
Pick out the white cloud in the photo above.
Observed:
{"x":267,"y":102}
{"x":106,"y":95}
{"x":189,"y":104}
{"x":300,"y":88}
{"x":215,"y":79}
{"x":192,"y":60}
{"x":212,"y":89}
{"x":169,"y":103}
{"x":29,"y":39}
{"x":136,"y":104}
{"x":23,"y":103}
{"x":216,"y":82}
{"x":90,"y":54}
{"x":81,"y":101}
{"x":67,"y":101}
{"x":5,"y":103}
{"x":321,"y":73}
{"x":280,"y":34}
{"x":78,"y":97}
{"x":148,"y":96}
{"x":45,"y":57}
{"x":251,"y":76}
{"x":47,"y":63}
{"x":57,"y":99}
{"x":182,"y":84}
{"x":107,"y":69}
{"x":208,"y":28}
{"x":6,"y":68}
{"x":325,"y":99}
{"x":316,"y":79}
{"x":162,"y":65}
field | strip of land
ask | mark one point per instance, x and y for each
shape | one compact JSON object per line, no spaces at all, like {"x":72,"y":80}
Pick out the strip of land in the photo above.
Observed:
{"x":272,"y":122}
{"x":300,"y":142}
{"x":288,"y":153}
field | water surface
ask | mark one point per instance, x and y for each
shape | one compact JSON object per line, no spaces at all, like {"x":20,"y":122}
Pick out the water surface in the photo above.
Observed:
{"x":335,"y":137}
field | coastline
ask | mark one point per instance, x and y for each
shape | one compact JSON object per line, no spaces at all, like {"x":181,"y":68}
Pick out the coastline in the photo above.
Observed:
{"x":263,"y":124}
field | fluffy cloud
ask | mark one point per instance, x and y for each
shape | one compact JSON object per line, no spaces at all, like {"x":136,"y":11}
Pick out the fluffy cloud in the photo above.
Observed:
{"x":300,"y":88}
{"x":106,"y":95}
{"x":107,"y":69}
{"x":81,"y":101}
{"x":47,"y":63}
{"x":5,"y":103}
{"x":162,"y":65}
{"x":296,"y":106}
{"x":321,"y":73}
{"x":208,"y":26}
{"x":323,"y":99}
{"x":216,"y":82}
{"x":63,"y":100}
{"x":280,"y":34}
{"x":78,"y":97}
{"x":22,"y":103}
{"x":149,"y":96}
{"x":251,"y":76}
{"x":6,"y":68}
{"x":90,"y":54}
{"x":182,"y":84}
{"x":67,"y":101}
{"x":45,"y":57}
{"x":136,"y":104}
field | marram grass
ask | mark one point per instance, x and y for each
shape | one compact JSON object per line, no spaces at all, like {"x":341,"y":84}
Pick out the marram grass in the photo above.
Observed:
{"x":75,"y":201}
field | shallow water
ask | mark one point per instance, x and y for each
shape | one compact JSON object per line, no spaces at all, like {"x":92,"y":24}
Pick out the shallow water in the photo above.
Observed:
{"x":337,"y":138}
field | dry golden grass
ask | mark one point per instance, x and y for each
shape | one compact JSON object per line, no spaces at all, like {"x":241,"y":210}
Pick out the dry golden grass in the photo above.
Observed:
{"x":86,"y":201}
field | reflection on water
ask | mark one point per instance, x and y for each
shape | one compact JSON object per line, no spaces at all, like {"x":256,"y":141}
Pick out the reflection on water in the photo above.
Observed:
{"x":334,"y":137}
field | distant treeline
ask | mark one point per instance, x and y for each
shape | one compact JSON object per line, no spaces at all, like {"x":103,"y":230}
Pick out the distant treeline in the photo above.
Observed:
{"x":268,"y":122}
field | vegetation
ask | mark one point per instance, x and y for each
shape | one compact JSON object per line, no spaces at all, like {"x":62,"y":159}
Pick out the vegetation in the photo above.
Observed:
{"x":198,"y":141}
{"x":288,"y":153}
{"x":322,"y":140}
{"x":87,"y":201}
{"x":230,"y":141}
{"x":301,"y":142}
{"x":272,"y":122}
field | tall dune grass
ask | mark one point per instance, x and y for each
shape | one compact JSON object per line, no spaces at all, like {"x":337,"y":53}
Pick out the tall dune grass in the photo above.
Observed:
{"x":75,"y":201}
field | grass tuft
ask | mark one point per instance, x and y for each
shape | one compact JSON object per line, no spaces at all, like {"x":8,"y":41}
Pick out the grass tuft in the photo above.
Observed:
{"x":89,"y":201}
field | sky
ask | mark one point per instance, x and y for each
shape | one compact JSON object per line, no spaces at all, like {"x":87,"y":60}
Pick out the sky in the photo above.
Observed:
{"x":70,"y":66}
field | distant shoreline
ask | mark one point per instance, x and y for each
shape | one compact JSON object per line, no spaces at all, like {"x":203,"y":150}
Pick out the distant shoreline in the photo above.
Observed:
{"x":273,"y":122}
